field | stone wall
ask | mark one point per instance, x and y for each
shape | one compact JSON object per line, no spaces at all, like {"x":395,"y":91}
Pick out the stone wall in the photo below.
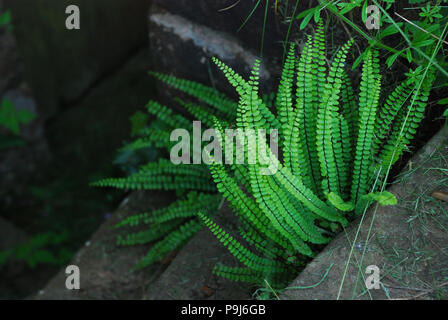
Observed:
{"x":184,"y":35}
{"x":61,"y":65}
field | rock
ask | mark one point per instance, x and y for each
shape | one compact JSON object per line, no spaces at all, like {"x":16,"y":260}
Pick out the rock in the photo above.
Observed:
{"x":184,"y":49}
{"x":61,"y":65}
{"x":105,"y":269}
{"x":19,"y":165}
{"x":189,"y":276}
{"x":183,"y":42}
{"x":11,"y":237}
{"x":406,"y":242}
{"x":228,"y":15}
{"x":101,"y":116}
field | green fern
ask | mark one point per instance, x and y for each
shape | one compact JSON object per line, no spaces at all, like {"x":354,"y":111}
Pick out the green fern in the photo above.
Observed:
{"x":333,"y":142}
{"x":171,"y":227}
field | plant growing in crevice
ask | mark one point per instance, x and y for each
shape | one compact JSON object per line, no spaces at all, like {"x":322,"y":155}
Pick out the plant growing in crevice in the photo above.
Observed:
{"x":11,"y":119}
{"x":337,"y":144}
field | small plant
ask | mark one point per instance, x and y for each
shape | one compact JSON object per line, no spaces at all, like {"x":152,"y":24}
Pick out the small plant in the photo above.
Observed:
{"x":43,"y":248}
{"x":336,"y":145}
{"x":5,"y":20}
{"x":11,"y":119}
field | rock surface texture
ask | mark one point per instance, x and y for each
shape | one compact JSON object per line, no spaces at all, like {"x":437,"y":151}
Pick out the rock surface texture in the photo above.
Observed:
{"x":105,"y":269}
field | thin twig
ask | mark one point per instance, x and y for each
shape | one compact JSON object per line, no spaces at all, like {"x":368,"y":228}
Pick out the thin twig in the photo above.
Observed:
{"x":229,"y":7}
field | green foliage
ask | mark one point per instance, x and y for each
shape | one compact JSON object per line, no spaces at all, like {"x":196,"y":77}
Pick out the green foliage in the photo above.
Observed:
{"x":11,"y":119}
{"x":444,"y":101}
{"x":5,"y":20}
{"x":335,"y":142}
{"x":139,"y":120}
{"x":40,"y":249}
{"x":171,"y":227}
{"x":419,"y":35}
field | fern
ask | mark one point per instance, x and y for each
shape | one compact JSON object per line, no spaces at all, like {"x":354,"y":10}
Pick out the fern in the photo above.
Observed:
{"x":171,"y":242}
{"x":171,"y":227}
{"x":334,"y":141}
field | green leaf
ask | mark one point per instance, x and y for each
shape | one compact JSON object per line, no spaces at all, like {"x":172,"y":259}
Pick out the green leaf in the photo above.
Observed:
{"x":25,"y":116}
{"x":5,"y":18}
{"x":11,"y":118}
{"x":316,"y":15}
{"x":305,"y":13}
{"x":384,"y":198}
{"x":409,"y":55}
{"x":443,"y":101}
{"x":307,"y":19}
{"x":359,"y":59}
{"x":390,"y":61}
{"x":339,"y":203}
{"x":138,"y":121}
{"x":8,"y":116}
{"x":389,"y":30}
{"x":364,"y":12}
{"x":423,"y":43}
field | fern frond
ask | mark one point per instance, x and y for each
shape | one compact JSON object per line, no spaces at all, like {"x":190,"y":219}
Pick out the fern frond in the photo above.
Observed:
{"x":244,"y":205}
{"x":163,"y":175}
{"x":407,"y":122}
{"x":173,"y":241}
{"x":394,"y":102}
{"x":331,"y":170}
{"x":199,"y":113}
{"x":158,"y":139}
{"x":209,"y":95}
{"x":166,"y":115}
{"x":284,"y":99}
{"x":368,"y":105}
{"x":349,"y":107}
{"x":185,"y":208}
{"x":149,"y":235}
{"x":247,"y":275}
{"x":250,"y":89}
{"x":245,"y":256}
